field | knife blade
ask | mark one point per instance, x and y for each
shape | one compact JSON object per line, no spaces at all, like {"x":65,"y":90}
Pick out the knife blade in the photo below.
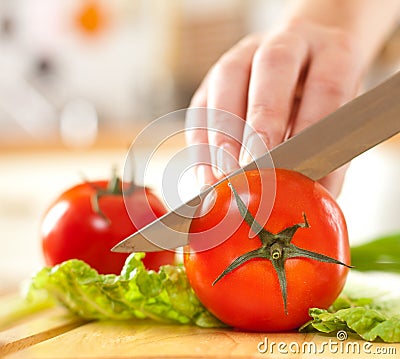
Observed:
{"x":316,"y":151}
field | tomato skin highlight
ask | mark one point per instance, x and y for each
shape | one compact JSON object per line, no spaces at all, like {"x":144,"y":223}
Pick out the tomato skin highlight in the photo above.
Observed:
{"x":250,"y":298}
{"x":72,"y":229}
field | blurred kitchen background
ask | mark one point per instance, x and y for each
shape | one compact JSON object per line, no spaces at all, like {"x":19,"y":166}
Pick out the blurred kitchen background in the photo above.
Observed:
{"x":79,"y":79}
{"x":108,"y":66}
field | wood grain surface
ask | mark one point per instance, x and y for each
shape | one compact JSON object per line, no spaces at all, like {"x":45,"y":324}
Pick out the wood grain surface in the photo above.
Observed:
{"x":150,"y":340}
{"x":37,"y":328}
{"x":55,"y":334}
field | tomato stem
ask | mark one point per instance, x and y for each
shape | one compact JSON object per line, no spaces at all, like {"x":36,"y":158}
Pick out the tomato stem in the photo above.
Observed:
{"x":276,"y":247}
{"x":276,"y":251}
{"x":114,"y":184}
{"x":114,"y":188}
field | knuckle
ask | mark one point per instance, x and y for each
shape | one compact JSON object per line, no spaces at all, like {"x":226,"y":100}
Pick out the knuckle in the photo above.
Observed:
{"x":227,"y":65}
{"x":276,"y":53}
{"x":264,"y":111}
{"x":282,"y":50}
{"x":330,"y":86}
{"x":296,"y":24}
{"x":249,"y":40}
{"x":223,"y":122}
{"x":268,"y":121}
{"x":344,"y":40}
{"x":289,"y":36}
{"x":347,"y":49}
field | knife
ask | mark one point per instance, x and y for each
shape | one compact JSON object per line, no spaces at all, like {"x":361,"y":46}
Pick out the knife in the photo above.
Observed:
{"x":315,"y":152}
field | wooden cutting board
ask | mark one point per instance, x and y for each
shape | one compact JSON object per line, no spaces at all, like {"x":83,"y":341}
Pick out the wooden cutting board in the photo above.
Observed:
{"x":55,"y":334}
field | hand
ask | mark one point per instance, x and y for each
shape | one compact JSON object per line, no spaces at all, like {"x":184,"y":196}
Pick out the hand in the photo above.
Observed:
{"x":279,"y":83}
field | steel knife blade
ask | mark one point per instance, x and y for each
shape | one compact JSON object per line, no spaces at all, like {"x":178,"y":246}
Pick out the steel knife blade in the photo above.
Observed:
{"x":319,"y":149}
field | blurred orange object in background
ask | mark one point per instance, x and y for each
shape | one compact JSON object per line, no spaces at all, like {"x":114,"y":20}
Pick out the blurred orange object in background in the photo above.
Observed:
{"x":91,"y":17}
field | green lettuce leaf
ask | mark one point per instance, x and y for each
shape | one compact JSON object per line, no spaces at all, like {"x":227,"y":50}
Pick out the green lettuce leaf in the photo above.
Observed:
{"x":164,"y":296}
{"x":381,"y":254}
{"x":369,"y":324}
{"x":372,"y":313}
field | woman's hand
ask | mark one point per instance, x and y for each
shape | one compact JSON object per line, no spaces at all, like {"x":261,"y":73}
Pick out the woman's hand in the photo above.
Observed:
{"x":279,"y":83}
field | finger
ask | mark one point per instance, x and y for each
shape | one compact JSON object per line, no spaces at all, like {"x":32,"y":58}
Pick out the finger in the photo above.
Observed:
{"x":227,"y":90}
{"x":332,"y":80}
{"x":334,"y":181}
{"x":276,"y":70}
{"x":199,"y":98}
{"x":196,"y":138}
{"x":196,"y":134}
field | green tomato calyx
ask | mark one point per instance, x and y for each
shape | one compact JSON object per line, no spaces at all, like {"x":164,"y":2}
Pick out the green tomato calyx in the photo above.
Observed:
{"x":275,"y":247}
{"x":114,"y":188}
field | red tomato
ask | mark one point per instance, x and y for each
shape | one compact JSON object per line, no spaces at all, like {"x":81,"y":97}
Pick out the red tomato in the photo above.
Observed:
{"x":72,"y":228}
{"x":251,"y":296}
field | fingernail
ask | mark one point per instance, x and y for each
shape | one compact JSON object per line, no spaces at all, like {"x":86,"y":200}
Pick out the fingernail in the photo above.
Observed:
{"x":226,"y":162}
{"x":254,"y":147}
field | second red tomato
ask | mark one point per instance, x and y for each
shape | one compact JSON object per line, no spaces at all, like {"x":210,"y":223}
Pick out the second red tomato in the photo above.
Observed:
{"x":73,"y":228}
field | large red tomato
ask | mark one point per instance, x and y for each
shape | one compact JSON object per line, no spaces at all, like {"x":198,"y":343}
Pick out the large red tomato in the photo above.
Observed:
{"x":79,"y":225}
{"x":268,"y":282}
